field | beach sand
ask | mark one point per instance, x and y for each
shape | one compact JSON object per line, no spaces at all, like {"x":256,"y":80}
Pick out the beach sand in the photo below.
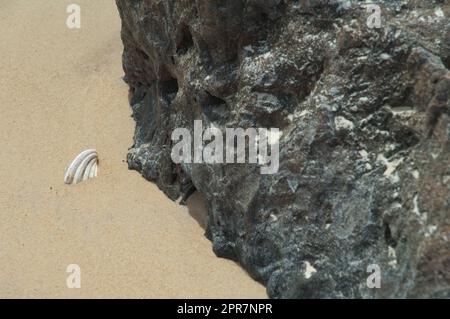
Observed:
{"x":62,"y":92}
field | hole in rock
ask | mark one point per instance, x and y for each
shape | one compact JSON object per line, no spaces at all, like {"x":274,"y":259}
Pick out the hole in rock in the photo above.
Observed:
{"x":388,"y":236}
{"x":214,"y":108}
{"x":169,"y":89}
{"x":446,"y":61}
{"x":185,"y":41}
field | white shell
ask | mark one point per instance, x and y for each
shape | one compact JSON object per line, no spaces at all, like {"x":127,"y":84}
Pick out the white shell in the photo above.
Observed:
{"x":83,"y":167}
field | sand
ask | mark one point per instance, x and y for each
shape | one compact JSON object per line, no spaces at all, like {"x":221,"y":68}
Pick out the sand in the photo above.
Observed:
{"x":62,"y":92}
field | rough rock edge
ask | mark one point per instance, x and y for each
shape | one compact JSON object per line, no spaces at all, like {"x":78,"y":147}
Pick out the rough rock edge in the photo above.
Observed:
{"x":346,"y":196}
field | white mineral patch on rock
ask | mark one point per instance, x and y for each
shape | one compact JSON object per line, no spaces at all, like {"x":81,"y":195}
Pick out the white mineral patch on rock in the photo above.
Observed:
{"x":364,"y":99}
{"x":439,"y":13}
{"x":364,"y":155}
{"x":304,"y":112}
{"x":430,"y":230}
{"x":393,"y":256}
{"x":341,"y":123}
{"x":309,"y":271}
{"x":390,"y":166}
{"x":396,"y":206}
{"x":385,"y":56}
{"x":416,"y":205}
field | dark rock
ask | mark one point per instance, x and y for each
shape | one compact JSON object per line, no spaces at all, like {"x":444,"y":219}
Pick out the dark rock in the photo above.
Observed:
{"x":364,"y":172}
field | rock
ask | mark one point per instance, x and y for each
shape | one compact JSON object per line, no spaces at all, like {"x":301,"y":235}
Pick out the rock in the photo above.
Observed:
{"x":364,"y":176}
{"x":341,"y":123}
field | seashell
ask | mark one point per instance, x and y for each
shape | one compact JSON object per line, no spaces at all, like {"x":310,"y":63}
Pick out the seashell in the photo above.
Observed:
{"x":83,"y":167}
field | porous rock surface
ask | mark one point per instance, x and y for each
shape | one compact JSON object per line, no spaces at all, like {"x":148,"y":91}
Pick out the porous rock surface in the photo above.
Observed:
{"x":364,"y":173}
